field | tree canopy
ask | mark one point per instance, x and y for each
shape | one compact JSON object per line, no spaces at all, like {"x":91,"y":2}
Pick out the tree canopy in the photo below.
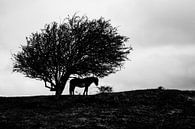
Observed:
{"x":78,"y":46}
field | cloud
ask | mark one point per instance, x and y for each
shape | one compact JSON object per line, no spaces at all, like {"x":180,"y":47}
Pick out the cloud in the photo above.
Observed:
{"x":166,"y":22}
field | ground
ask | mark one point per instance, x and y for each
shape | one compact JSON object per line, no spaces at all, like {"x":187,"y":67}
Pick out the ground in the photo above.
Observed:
{"x":140,"y":109}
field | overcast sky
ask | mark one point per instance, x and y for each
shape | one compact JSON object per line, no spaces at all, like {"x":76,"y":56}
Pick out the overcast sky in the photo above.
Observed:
{"x":162,"y":33}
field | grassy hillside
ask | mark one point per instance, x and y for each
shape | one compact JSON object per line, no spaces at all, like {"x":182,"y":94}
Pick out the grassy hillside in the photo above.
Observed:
{"x":141,"y":109}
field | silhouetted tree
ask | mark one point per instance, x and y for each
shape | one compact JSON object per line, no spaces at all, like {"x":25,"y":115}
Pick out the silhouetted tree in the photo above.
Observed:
{"x":76,"y":47}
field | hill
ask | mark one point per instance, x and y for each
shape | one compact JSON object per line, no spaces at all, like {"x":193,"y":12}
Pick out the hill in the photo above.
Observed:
{"x":140,"y":109}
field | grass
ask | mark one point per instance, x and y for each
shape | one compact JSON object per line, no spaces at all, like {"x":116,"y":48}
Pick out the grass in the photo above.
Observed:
{"x":140,"y":109}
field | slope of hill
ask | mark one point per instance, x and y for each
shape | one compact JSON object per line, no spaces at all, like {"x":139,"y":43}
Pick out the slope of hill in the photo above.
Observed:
{"x":141,"y":109}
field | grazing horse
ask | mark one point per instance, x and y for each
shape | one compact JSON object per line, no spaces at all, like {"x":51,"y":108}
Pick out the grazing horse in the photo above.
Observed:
{"x":86,"y":82}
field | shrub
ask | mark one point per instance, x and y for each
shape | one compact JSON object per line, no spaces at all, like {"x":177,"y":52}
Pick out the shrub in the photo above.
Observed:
{"x":105,"y":89}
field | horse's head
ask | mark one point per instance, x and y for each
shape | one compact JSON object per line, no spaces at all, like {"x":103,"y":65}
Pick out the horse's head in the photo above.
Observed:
{"x":96,"y":81}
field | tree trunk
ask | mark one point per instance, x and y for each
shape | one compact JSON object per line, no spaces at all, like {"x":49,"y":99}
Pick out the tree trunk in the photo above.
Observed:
{"x":60,"y":87}
{"x":59,"y":91}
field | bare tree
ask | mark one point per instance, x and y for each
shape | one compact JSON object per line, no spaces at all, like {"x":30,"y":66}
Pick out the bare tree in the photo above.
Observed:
{"x":78,"y":46}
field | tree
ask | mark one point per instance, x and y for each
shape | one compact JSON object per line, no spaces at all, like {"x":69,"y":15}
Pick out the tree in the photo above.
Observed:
{"x":76,"y":47}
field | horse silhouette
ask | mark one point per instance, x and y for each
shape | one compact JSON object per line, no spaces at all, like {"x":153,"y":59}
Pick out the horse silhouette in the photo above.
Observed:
{"x":85,"y":82}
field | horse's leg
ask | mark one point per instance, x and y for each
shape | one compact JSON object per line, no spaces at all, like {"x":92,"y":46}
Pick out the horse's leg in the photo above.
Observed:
{"x":71,"y":89}
{"x":87,"y":90}
{"x":84,"y":91}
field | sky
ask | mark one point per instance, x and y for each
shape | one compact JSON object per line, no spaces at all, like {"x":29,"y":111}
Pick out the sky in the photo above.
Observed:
{"x":161,"y":32}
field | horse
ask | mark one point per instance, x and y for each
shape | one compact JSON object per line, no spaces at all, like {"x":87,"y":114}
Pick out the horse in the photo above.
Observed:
{"x":85,"y":82}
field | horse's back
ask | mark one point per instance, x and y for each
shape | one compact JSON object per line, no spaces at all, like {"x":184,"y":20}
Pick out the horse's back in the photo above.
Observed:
{"x":75,"y":81}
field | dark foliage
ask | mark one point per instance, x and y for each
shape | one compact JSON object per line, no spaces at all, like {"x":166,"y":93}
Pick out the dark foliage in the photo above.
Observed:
{"x":79,"y":46}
